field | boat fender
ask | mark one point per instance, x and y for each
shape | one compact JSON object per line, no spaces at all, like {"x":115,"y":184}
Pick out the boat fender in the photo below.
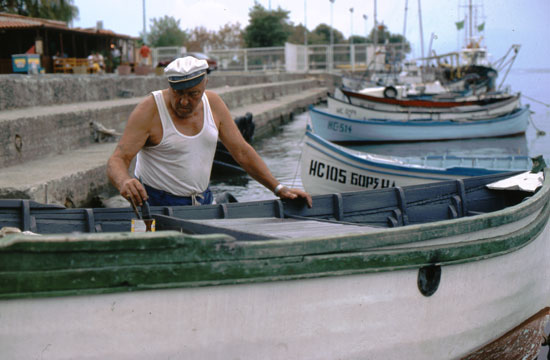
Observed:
{"x":428,"y":279}
{"x":390,"y":92}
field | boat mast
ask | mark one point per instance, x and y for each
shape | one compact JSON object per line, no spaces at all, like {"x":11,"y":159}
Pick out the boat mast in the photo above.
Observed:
{"x":470,"y":22}
{"x":421,"y":41}
{"x":404,"y":31}
{"x":421,"y":31}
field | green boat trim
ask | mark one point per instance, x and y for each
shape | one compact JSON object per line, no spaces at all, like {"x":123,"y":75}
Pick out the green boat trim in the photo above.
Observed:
{"x":77,"y":264}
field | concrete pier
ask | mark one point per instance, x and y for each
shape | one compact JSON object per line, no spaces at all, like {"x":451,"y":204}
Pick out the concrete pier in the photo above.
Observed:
{"x":51,"y":151}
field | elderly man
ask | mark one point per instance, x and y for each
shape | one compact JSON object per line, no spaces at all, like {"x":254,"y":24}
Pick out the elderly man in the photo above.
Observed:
{"x":174,"y":133}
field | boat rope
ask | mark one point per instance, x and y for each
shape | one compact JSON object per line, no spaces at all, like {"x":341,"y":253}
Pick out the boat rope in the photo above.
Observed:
{"x":535,"y":100}
{"x":539,"y":131}
{"x":300,"y":143}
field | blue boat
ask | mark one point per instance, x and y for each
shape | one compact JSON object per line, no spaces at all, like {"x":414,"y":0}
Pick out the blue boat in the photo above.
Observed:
{"x":343,"y":129}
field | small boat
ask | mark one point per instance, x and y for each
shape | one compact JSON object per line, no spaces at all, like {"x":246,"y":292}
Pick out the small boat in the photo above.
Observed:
{"x":224,"y":163}
{"x":389,"y":100}
{"x":338,"y":128}
{"x":359,"y":112}
{"x":435,"y":271}
{"x":327,"y":168}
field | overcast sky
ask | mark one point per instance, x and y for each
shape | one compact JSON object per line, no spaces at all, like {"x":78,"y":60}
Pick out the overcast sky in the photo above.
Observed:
{"x":507,"y":22}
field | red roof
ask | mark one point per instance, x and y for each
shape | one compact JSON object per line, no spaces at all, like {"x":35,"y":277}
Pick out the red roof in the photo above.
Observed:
{"x":13,"y":21}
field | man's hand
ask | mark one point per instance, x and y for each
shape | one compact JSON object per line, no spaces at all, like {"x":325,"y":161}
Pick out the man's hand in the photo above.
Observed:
{"x":132,"y":190}
{"x":288,"y":193}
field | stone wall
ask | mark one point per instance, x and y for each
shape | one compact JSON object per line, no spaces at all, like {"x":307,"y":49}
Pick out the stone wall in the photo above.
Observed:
{"x":20,"y":90}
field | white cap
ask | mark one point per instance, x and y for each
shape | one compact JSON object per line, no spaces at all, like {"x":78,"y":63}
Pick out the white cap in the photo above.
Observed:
{"x":185,"y":72}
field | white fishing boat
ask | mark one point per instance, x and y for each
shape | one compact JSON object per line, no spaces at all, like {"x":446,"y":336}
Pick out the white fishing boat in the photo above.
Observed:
{"x":339,"y":128}
{"x":327,"y":167}
{"x":359,"y":112}
{"x":406,"y":273}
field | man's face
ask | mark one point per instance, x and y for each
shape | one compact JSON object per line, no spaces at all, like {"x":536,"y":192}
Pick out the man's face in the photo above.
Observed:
{"x":185,"y":101}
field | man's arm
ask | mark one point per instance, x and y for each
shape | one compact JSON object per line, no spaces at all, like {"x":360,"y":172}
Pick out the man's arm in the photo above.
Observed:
{"x":135,"y":135}
{"x":245,"y":154}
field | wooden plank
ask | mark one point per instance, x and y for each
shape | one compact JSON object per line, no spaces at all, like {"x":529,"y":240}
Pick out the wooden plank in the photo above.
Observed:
{"x":288,"y":228}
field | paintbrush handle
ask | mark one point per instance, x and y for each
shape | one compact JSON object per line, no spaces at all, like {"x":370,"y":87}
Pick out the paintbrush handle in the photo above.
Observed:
{"x":135,"y":209}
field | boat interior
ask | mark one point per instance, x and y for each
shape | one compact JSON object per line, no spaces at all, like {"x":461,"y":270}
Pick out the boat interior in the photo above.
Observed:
{"x":332,"y":214}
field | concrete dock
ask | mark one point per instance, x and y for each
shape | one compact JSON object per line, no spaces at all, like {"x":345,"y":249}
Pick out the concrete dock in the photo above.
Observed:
{"x":52,"y":152}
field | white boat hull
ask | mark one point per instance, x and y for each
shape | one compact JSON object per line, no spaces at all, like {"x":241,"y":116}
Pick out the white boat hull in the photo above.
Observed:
{"x":327,"y":168}
{"x":357,"y":112}
{"x":364,"y":316}
{"x":341,"y":129}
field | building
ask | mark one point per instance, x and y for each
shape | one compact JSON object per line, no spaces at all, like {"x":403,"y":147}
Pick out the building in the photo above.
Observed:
{"x":18,"y":34}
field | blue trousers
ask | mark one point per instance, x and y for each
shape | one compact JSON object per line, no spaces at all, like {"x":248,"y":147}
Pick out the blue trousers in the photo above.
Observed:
{"x":163,"y":198}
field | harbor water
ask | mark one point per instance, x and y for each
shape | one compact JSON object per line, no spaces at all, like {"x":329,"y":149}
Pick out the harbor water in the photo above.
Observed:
{"x":282,"y":151}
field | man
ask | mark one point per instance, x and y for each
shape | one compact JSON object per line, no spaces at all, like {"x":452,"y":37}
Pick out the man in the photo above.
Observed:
{"x":174,"y":134}
{"x":144,"y":52}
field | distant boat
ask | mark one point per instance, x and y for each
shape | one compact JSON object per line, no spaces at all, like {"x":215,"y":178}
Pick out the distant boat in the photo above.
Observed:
{"x":359,"y":112}
{"x":344,"y":129}
{"x":327,"y":168}
{"x":433,"y":271}
{"x":442,"y":101}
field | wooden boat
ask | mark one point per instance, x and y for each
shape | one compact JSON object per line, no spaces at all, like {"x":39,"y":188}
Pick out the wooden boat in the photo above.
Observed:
{"x":327,"y":168}
{"x":441,"y":101}
{"x":359,"y":112}
{"x":436,"y":271}
{"x":343,"y":129}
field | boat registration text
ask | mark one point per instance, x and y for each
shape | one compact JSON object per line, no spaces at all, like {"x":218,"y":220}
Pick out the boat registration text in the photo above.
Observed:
{"x":342,"y":176}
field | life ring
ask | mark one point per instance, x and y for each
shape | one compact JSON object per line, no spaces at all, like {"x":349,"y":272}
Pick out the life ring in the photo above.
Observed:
{"x":390,"y":92}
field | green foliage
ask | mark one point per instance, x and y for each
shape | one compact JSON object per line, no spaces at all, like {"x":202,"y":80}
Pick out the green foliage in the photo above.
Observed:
{"x":321,"y":35}
{"x":266,"y":28}
{"x":63,"y":10}
{"x":297,"y":34}
{"x":166,"y":31}
{"x":384,"y":35}
{"x":356,"y":39}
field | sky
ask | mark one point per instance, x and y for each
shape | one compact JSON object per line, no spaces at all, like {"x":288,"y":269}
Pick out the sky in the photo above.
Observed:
{"x":507,"y":22}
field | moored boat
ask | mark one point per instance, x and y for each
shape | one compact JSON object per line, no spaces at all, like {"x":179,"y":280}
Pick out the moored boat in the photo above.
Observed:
{"x":327,"y":167}
{"x":359,"y":112}
{"x":338,"y":128}
{"x":444,"y":101}
{"x":388,"y":274}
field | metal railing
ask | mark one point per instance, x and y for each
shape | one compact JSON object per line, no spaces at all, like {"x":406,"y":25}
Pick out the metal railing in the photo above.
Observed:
{"x":351,"y":57}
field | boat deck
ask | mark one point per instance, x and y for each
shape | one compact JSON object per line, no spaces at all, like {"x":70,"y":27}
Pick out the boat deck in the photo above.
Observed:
{"x":288,"y":228}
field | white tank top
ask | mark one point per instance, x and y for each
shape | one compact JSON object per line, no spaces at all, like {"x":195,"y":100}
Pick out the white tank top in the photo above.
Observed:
{"x":179,"y":164}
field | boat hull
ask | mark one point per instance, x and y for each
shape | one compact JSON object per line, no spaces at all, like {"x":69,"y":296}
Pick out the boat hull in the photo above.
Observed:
{"x":375,"y":315}
{"x":326,"y":168}
{"x":357,"y":112}
{"x":430,"y":289}
{"x":342,"y":129}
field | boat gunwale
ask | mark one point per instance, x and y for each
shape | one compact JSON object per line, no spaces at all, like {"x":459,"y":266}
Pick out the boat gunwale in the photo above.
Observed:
{"x":271,"y":260}
{"x":513,"y":115}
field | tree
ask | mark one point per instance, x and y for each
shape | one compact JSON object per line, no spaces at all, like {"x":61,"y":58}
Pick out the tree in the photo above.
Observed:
{"x":63,"y":10}
{"x":199,"y":39}
{"x":266,"y":28}
{"x":357,"y":39}
{"x":297,"y":34}
{"x":384,"y":35}
{"x":321,"y":35}
{"x":166,"y":31}
{"x":230,"y":36}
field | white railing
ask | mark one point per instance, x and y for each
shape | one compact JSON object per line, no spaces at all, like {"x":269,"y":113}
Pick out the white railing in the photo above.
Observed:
{"x":291,"y":58}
